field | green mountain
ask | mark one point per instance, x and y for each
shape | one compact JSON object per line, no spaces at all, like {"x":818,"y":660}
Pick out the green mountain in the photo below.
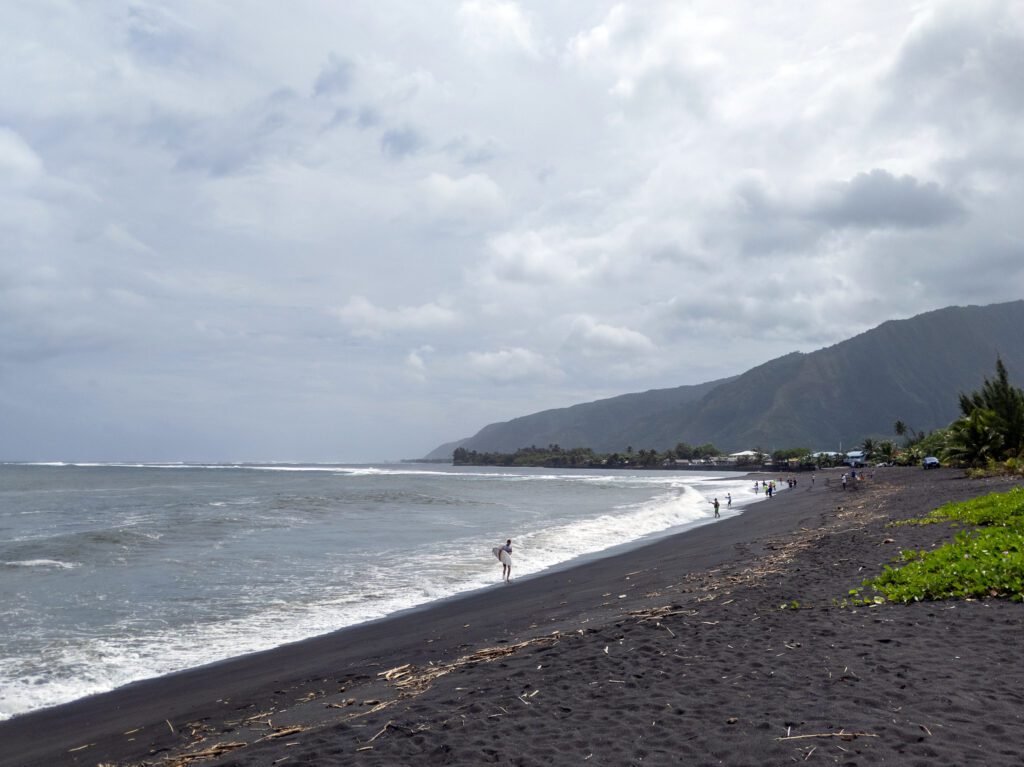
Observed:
{"x":910,"y":370}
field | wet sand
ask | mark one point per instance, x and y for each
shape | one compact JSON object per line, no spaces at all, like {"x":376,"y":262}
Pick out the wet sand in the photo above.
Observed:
{"x":675,"y":652}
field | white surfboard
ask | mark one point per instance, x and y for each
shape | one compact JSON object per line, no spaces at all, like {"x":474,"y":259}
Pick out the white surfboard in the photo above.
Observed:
{"x":502,"y":555}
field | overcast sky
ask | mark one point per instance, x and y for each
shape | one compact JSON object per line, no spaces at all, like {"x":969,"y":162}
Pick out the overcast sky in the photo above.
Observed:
{"x":355,"y":230}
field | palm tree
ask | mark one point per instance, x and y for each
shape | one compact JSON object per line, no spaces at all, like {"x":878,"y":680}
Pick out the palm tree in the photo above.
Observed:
{"x":868,"y":447}
{"x":1006,"y":405}
{"x":974,"y":439}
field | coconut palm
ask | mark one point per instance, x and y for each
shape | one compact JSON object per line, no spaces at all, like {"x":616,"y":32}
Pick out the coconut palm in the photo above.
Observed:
{"x":887,"y":451}
{"x":868,"y":446}
{"x":1005,"y":403}
{"x":974,"y":439}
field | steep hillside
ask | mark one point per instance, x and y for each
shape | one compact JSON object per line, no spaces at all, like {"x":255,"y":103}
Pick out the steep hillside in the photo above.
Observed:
{"x":604,"y":425}
{"x":904,"y":369}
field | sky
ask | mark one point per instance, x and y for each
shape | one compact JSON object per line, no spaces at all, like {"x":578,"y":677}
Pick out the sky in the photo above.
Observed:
{"x":352,"y":231}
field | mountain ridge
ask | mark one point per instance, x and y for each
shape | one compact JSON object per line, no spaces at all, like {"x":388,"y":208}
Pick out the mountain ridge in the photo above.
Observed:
{"x":910,"y":369}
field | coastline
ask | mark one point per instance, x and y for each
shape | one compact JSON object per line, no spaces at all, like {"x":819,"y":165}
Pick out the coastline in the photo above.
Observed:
{"x":329,"y":686}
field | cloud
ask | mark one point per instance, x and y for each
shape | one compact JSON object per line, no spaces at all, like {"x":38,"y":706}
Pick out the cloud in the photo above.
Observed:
{"x":473,"y":196}
{"x":511,"y":365}
{"x":471,"y":151}
{"x":959,"y":60}
{"x":597,"y":199}
{"x":335,"y":78}
{"x":17,"y":159}
{"x":541,"y":258}
{"x":398,"y":143}
{"x":496,"y":25}
{"x":159,"y":36}
{"x":365,"y":319}
{"x":653,"y":53}
{"x":416,"y":364}
{"x":596,"y":339}
{"x":879,"y":199}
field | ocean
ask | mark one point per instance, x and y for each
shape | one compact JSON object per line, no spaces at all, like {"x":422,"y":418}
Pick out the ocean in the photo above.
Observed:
{"x":114,"y":573}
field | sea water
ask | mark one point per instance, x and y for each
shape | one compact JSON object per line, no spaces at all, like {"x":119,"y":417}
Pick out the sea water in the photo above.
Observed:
{"x":114,"y":573}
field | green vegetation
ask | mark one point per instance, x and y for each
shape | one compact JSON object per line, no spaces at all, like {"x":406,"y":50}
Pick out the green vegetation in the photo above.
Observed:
{"x":991,"y":426}
{"x":987,"y":438}
{"x":554,"y":456}
{"x":986,"y":560}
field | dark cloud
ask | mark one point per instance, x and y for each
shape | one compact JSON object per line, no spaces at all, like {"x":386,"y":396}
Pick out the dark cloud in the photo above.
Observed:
{"x":335,"y":78}
{"x":966,"y":59}
{"x":401,"y":142}
{"x":880,"y":200}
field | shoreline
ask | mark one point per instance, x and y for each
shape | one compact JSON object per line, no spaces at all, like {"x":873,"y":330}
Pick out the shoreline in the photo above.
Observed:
{"x":324,"y":699}
{"x":269,"y":640}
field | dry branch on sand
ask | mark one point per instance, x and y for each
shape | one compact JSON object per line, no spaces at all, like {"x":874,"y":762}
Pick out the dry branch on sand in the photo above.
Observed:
{"x":842,"y":735}
{"x":412,"y":681}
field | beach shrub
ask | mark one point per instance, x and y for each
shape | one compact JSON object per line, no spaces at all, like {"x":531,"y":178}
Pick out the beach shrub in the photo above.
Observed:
{"x":986,"y":560}
{"x":979,"y":563}
{"x":1004,"y":509}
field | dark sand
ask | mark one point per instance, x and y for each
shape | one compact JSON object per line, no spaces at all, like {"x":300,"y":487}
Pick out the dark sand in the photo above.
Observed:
{"x":674,"y":653}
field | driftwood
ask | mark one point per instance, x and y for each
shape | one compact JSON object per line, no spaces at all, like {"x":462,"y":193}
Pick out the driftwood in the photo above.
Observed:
{"x":182,"y":760}
{"x":842,"y":734}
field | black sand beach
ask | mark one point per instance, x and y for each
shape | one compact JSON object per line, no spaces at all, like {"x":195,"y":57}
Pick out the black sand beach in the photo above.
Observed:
{"x":674,"y":653}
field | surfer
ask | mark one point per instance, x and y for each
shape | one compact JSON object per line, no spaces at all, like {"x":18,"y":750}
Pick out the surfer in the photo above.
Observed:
{"x":717,"y":515}
{"x":504,"y":555}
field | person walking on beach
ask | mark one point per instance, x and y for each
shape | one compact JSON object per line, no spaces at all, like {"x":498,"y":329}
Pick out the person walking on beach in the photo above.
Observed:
{"x":728,"y":500}
{"x":717,"y":515}
{"x":505,"y":557}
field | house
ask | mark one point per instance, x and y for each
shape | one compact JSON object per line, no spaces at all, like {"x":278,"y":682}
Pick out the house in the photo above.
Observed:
{"x":856,"y":458}
{"x":744,"y":454}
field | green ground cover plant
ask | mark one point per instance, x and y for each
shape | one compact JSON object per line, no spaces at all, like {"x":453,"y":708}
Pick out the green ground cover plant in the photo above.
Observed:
{"x":985,"y":560}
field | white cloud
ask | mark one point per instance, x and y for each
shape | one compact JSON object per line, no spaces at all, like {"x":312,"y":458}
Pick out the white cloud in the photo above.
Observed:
{"x":542,"y":258}
{"x":512,"y":365}
{"x":365,"y":319}
{"x":416,"y":363}
{"x":494,"y":25}
{"x":664,"y":49}
{"x":593,"y":338}
{"x":16,"y":157}
{"x":474,"y":196}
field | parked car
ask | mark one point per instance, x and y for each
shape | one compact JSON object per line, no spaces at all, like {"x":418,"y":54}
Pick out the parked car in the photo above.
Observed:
{"x":930,"y":462}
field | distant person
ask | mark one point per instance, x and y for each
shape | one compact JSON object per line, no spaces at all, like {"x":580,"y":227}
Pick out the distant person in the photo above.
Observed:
{"x":844,"y":482}
{"x":728,"y":500}
{"x":717,"y":515}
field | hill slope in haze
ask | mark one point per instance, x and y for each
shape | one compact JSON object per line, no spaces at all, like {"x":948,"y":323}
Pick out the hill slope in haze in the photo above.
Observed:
{"x":904,"y":369}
